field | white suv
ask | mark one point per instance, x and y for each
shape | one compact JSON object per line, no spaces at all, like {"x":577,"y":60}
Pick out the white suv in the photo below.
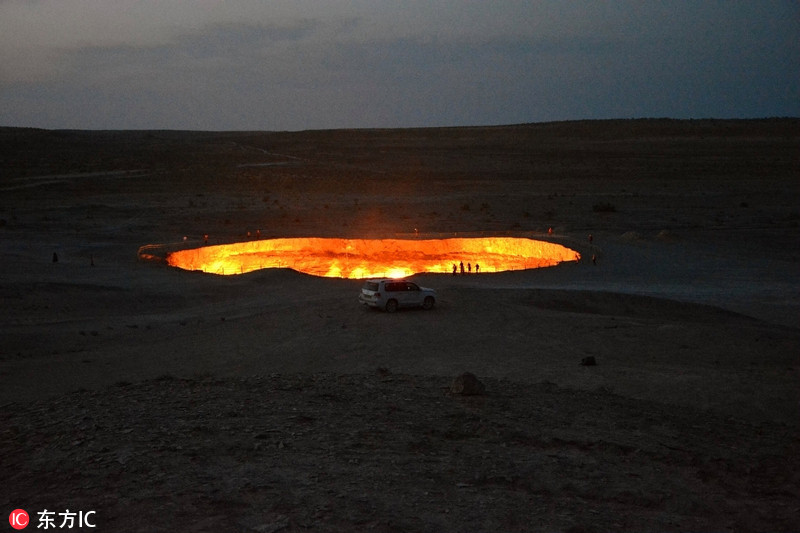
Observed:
{"x":391,"y":294}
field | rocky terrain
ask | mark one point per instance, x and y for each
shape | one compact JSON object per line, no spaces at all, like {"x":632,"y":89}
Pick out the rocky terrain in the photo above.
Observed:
{"x":167,"y":400}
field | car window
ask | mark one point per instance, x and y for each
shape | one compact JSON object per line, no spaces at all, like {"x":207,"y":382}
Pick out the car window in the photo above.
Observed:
{"x":394,"y":287}
{"x":412,"y":287}
{"x":371,"y":286}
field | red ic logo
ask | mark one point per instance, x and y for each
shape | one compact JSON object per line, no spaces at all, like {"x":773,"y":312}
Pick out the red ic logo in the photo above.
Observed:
{"x":18,"y":519}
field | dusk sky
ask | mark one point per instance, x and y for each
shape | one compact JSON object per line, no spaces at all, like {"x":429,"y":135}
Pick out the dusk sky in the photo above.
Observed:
{"x":296,"y":64}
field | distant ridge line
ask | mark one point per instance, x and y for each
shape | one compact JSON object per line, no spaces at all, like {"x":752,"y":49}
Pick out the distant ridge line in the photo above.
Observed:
{"x":567,"y":122}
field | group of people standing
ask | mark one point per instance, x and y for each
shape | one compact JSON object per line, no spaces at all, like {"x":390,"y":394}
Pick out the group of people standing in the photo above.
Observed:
{"x":469,"y":268}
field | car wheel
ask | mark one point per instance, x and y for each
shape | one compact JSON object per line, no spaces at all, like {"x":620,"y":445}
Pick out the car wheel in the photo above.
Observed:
{"x":391,"y":306}
{"x":428,"y":303}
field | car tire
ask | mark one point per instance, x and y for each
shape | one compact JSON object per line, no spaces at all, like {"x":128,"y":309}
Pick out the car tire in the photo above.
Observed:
{"x":391,"y":306}
{"x":428,"y":302}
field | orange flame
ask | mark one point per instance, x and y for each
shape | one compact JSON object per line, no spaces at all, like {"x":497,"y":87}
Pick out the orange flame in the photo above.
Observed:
{"x":367,"y":258}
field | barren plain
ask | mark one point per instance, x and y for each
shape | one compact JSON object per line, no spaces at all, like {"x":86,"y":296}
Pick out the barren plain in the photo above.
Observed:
{"x":167,"y":400}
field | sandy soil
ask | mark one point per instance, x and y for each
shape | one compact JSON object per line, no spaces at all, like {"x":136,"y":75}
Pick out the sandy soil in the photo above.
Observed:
{"x":166,"y":400}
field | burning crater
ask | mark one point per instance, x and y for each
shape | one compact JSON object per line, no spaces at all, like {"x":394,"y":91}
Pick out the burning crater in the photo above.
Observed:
{"x":367,"y":258}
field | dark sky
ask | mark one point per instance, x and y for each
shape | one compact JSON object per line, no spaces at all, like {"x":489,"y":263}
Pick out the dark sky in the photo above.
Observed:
{"x":295,"y":64}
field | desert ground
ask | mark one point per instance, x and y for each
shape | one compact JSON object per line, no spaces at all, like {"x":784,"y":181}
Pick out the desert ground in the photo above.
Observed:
{"x":168,"y":400}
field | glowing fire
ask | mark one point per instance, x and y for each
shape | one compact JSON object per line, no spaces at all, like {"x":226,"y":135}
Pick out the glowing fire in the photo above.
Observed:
{"x":368,"y":258}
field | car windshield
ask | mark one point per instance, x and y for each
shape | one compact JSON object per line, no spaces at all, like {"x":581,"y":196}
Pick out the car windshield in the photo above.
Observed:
{"x":371,"y":286}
